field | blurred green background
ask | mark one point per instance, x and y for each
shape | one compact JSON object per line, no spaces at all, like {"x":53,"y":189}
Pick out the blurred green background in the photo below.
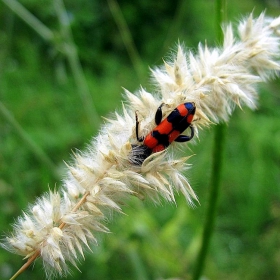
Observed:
{"x":42,"y":88}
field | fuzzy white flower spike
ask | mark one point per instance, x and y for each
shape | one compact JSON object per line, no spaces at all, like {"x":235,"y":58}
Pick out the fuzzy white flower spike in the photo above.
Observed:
{"x":130,"y":155}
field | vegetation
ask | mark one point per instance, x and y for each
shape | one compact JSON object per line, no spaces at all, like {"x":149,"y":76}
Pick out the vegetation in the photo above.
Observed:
{"x":47,"y":118}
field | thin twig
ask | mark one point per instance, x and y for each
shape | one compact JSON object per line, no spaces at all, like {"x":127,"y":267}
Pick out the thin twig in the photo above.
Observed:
{"x":30,"y":19}
{"x":67,"y":47}
{"x":36,"y":149}
{"x":177,"y":22}
{"x":26,"y":265}
{"x":126,"y":37}
{"x":70,"y":50}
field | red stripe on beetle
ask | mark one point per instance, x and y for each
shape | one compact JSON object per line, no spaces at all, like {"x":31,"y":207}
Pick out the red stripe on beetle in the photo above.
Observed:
{"x":158,"y":148}
{"x":173,"y":135}
{"x":189,"y":118}
{"x":150,"y":141}
{"x":165,"y":127}
{"x":182,"y":110}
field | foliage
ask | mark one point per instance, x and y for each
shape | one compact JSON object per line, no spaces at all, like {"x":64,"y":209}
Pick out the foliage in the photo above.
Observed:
{"x":152,"y":242}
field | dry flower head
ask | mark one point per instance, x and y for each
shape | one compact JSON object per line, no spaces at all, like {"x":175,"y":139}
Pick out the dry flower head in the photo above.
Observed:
{"x":60,"y":224}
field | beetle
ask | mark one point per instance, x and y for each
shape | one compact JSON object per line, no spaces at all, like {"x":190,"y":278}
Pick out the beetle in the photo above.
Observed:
{"x":168,"y":130}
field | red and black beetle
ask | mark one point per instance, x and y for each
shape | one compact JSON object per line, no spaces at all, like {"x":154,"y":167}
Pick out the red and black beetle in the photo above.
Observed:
{"x":165,"y":132}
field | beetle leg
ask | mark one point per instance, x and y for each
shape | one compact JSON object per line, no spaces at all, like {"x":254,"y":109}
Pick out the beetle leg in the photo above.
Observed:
{"x":158,"y":116}
{"x":139,"y":139}
{"x":185,"y":138}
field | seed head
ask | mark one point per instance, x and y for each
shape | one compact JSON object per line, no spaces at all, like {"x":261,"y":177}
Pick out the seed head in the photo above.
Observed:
{"x":60,"y":224}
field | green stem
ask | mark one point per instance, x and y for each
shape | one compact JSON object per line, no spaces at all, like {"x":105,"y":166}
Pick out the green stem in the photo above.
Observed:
{"x":70,"y":51}
{"x":39,"y":153}
{"x":215,"y":181}
{"x":173,"y":31}
{"x":67,"y":47}
{"x":139,"y":268}
{"x":126,"y":37}
{"x":221,"y":17}
{"x":30,"y":19}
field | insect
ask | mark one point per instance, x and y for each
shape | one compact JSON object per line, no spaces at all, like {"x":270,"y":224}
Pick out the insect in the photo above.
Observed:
{"x":166,"y":131}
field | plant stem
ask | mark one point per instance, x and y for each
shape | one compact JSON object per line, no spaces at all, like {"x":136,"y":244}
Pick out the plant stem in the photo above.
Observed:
{"x":215,"y":181}
{"x":40,"y":154}
{"x":30,"y":19}
{"x":126,"y":37}
{"x":26,"y":265}
{"x":173,"y":30}
{"x":64,"y":43}
{"x":221,"y":17}
{"x":139,"y":268}
{"x":70,"y":51}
